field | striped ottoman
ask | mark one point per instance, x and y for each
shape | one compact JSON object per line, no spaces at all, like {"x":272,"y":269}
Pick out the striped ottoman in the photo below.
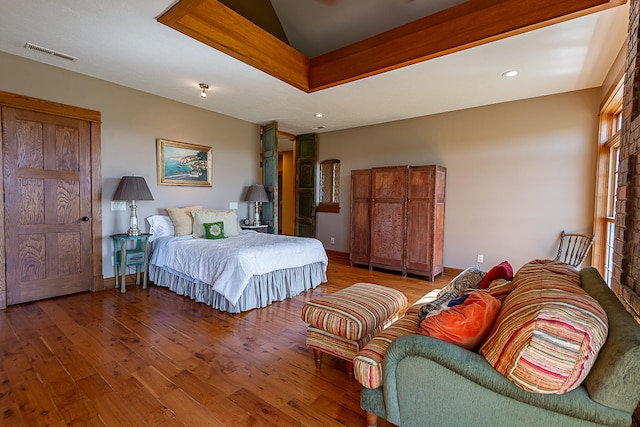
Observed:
{"x":342,"y":323}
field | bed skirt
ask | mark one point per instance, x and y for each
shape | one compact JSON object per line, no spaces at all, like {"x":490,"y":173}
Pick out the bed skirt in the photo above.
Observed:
{"x":260,"y":291}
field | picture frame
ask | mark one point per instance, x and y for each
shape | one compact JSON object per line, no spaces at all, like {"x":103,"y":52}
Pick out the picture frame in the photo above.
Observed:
{"x":181,"y":163}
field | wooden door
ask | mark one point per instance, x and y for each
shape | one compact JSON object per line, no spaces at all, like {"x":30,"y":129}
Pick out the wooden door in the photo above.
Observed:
{"x":420,"y":219}
{"x":47,"y":188}
{"x":425,"y":220}
{"x":270,"y":176}
{"x":438,"y":209}
{"x":360,"y":220}
{"x":306,"y":149}
{"x":388,"y":208}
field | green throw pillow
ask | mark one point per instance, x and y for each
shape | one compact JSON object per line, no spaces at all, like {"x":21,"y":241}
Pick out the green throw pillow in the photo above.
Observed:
{"x":214,"y":230}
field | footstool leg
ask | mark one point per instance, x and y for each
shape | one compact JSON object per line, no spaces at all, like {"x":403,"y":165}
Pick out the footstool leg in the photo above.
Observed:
{"x":317,"y":355}
{"x":372,"y":419}
{"x":349,"y":370}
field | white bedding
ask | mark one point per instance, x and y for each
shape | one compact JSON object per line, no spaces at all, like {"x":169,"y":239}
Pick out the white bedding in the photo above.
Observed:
{"x":228,"y":264}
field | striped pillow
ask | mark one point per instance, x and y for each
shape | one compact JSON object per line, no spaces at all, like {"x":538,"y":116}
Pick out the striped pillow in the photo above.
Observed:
{"x":547,"y":335}
{"x":541,"y":271}
{"x":500,"y":289}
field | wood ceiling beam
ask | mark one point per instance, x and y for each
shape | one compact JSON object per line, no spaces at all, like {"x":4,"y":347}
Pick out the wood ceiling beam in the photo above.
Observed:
{"x":218,"y":26}
{"x":466,"y":25}
{"x":461,"y":27}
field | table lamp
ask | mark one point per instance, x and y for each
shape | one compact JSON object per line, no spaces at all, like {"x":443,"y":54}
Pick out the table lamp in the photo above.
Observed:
{"x":133,"y":188}
{"x":257,"y":194}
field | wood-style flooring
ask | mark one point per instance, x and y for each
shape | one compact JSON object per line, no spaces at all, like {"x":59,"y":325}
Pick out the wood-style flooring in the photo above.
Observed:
{"x":152,"y":358}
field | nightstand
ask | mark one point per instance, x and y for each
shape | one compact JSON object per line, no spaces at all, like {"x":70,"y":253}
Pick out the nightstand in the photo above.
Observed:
{"x":259,"y":228}
{"x":126,"y":254}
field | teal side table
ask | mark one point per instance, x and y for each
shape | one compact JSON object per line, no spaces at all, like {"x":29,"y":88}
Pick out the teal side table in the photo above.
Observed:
{"x":125,"y":254}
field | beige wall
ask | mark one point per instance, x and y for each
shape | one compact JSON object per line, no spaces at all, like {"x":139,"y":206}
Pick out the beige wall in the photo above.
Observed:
{"x":614,"y":76}
{"x":131,"y":122}
{"x":517,"y":173}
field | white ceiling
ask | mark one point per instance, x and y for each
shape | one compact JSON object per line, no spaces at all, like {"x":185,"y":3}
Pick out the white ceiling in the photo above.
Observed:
{"x":120,"y":41}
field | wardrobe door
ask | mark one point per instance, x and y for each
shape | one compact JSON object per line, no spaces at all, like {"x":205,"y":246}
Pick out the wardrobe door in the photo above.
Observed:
{"x":425,"y":220}
{"x":420,"y":220}
{"x":440,"y":186}
{"x":388,"y":201}
{"x":360,"y":217}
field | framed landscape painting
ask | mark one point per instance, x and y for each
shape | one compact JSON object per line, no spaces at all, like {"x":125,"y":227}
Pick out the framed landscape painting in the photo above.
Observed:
{"x":180,"y":163}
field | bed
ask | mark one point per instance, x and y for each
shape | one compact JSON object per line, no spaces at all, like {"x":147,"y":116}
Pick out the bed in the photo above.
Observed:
{"x":245,"y":271}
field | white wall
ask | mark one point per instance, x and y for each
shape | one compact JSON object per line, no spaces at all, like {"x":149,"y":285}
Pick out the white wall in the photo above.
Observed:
{"x":517,"y":173}
{"x":131,"y":122}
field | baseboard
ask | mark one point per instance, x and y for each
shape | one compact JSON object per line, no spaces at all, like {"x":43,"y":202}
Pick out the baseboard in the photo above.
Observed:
{"x":110,"y":282}
{"x":341,"y":257}
{"x":448,"y":271}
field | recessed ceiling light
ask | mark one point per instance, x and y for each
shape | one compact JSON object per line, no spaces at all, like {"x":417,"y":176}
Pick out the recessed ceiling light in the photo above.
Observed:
{"x":318,"y":127}
{"x":318,"y":115}
{"x":511,"y":73}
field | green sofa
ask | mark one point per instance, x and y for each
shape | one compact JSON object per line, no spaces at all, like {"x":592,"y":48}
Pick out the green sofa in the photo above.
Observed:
{"x":429,"y":382}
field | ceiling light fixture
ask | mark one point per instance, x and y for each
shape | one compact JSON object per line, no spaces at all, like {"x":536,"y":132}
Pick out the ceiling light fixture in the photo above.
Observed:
{"x":204,"y":88}
{"x":511,"y":73}
{"x":318,"y":115}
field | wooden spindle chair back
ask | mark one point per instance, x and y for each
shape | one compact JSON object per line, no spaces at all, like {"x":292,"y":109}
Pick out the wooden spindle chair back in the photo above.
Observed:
{"x":573,"y":248}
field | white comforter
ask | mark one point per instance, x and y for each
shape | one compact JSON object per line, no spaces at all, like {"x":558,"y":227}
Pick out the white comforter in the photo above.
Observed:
{"x":228,"y":264}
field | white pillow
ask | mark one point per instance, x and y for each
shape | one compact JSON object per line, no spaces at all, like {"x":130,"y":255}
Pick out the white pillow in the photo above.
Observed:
{"x":229,"y":217}
{"x":160,"y":226}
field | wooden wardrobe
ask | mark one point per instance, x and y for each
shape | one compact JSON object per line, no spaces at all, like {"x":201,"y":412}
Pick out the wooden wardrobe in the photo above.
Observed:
{"x":397,"y":218}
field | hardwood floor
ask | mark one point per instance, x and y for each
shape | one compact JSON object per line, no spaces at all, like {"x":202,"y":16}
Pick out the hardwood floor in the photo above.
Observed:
{"x":152,"y":358}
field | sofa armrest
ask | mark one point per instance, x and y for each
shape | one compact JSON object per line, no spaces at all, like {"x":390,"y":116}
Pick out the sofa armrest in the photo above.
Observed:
{"x":474,"y":368}
{"x":470,"y":365}
{"x":614,"y":379}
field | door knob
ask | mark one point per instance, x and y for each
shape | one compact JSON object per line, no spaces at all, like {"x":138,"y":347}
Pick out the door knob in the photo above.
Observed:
{"x":86,"y":218}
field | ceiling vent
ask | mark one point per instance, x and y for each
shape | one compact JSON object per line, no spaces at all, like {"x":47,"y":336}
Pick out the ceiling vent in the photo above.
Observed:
{"x":48,"y":51}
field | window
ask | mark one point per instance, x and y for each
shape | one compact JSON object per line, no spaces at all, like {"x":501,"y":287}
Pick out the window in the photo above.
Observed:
{"x":606,"y":200}
{"x":329,"y":186}
{"x":610,"y":219}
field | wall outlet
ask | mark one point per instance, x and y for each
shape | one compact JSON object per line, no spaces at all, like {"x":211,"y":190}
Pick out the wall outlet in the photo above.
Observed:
{"x":480,"y":259}
{"x":233,"y":205}
{"x":118,"y":206}
{"x":333,"y":240}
